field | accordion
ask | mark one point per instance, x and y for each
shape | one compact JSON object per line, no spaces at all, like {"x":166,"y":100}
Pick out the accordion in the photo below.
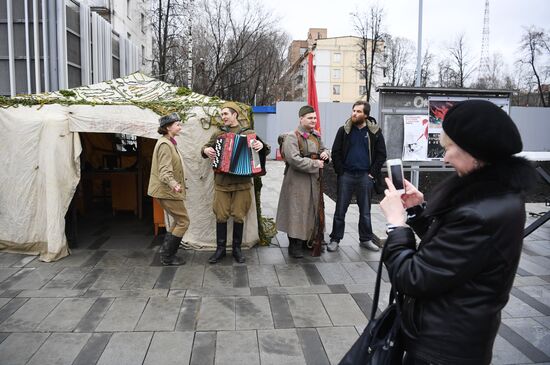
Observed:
{"x":235,"y":156}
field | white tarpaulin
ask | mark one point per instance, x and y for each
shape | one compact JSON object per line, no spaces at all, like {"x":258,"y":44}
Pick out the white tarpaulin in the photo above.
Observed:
{"x":40,"y":166}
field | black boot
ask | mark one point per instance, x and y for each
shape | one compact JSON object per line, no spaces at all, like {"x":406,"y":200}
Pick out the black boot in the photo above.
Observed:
{"x":164,"y":245}
{"x":221,"y":242}
{"x":168,"y":256}
{"x":291,"y":245}
{"x":237,"y":241}
{"x":298,"y":251}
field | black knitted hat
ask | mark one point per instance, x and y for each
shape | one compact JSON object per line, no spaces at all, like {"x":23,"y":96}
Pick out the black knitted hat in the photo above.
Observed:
{"x":483,"y":130}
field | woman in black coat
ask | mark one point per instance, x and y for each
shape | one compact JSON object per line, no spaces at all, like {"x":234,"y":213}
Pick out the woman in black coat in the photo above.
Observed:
{"x":458,"y":279}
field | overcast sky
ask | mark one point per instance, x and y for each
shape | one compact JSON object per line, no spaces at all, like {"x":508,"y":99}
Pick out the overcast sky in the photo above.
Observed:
{"x":443,"y":20}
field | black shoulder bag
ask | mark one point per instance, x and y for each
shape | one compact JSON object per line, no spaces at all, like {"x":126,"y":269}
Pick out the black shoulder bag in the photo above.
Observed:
{"x":380,"y":343}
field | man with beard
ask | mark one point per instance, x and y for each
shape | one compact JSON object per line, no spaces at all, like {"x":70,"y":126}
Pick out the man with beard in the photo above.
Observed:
{"x":358,"y":153}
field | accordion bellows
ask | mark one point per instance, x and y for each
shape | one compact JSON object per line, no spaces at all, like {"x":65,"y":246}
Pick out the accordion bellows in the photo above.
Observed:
{"x":235,"y":156}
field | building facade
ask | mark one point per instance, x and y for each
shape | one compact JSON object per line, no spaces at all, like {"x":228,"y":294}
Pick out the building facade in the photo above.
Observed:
{"x":76,"y":42}
{"x":339,"y":70}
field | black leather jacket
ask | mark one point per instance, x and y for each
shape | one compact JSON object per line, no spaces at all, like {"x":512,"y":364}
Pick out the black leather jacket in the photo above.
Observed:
{"x":459,"y":279}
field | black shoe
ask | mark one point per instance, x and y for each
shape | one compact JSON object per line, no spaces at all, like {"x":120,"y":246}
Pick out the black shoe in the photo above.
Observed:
{"x":291,"y":245}
{"x":237,"y":241}
{"x":164,"y":244}
{"x":221,"y":243}
{"x":169,"y":249}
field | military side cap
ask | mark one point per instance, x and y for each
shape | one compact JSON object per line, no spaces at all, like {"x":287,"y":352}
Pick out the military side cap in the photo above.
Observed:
{"x":232,"y":105}
{"x":170,"y":118}
{"x":306,"y":109}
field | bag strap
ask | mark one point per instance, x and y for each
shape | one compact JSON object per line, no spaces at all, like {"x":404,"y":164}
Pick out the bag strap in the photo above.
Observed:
{"x":393,"y":293}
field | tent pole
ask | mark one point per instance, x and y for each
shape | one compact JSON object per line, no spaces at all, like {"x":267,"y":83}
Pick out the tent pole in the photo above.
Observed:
{"x":140,"y":179}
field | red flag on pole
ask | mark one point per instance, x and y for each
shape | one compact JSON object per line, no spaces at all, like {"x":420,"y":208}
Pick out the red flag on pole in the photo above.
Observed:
{"x":312,"y":90}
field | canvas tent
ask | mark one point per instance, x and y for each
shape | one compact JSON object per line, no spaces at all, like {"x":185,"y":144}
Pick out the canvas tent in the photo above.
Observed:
{"x":40,"y":149}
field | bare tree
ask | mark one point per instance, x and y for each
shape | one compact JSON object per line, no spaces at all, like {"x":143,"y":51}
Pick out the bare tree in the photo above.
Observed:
{"x":238,"y":51}
{"x":461,"y":61}
{"x":168,"y":24}
{"x":368,"y":25}
{"x":534,"y":45}
{"x":399,"y":53}
{"x":494,"y":78}
{"x":426,"y":71}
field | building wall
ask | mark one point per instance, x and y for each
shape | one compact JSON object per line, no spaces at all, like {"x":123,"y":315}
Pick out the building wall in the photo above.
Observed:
{"x":76,"y":44}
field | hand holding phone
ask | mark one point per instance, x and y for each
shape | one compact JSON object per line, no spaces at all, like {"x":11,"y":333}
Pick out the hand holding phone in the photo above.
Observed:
{"x":395,"y":173}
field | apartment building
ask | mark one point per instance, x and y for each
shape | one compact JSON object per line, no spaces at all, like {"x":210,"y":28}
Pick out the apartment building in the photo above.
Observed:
{"x":339,"y":66}
{"x":76,"y":42}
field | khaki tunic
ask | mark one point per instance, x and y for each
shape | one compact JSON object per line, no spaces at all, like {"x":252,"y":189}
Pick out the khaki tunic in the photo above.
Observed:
{"x":299,"y":197}
{"x":166,"y":171}
{"x":232,"y":193}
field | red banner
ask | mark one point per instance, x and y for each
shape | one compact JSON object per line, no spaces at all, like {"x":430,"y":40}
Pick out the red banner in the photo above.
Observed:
{"x":312,"y":90}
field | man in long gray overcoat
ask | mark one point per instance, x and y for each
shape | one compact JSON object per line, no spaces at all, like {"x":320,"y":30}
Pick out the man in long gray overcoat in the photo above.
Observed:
{"x":304,"y":154}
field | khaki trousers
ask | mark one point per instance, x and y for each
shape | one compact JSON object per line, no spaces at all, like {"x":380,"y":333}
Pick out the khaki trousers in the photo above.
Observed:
{"x":176,"y":209}
{"x":231,"y":204}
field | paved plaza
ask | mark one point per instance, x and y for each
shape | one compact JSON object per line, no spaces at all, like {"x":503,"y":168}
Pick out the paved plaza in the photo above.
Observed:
{"x":111,"y":302}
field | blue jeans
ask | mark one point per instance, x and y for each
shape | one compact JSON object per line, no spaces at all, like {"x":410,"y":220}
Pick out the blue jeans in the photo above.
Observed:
{"x":362,"y":185}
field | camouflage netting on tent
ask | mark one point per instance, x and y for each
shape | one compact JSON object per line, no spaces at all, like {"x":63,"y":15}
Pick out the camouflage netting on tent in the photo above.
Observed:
{"x":44,"y":171}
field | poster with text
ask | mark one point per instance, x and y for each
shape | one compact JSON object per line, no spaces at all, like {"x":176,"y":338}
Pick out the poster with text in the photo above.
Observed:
{"x":415,"y":142}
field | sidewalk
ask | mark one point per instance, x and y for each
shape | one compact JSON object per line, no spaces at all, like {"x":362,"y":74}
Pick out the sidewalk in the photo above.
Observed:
{"x":111,"y":302}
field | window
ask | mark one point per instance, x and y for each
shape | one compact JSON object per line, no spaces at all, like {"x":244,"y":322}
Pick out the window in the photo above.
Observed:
{"x":336,"y":73}
{"x":362,"y":90}
{"x":361,"y":74}
{"x":74,"y":62}
{"x":336,"y":57}
{"x":142,"y":23}
{"x":115,"y":44}
{"x":335,"y":89}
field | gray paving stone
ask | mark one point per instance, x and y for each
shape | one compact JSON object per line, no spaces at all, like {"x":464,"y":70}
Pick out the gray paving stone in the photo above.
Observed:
{"x":36,"y":278}
{"x":6,"y":272}
{"x":11,"y":281}
{"x":188,"y":276}
{"x":506,"y":354}
{"x":217,"y":313}
{"x":95,"y":258}
{"x":280,"y":346}
{"x":189,"y":314}
{"x":517,"y":308}
{"x":271,"y":256}
{"x":122,"y":315}
{"x":545,"y":321}
{"x":313,"y":275}
{"x":112,"y":278}
{"x":8,"y":259}
{"x":115,"y":259}
{"x":314,"y":289}
{"x":4,"y":301}
{"x":218,"y":292}
{"x":351,"y":253}
{"x":360,"y":272}
{"x":18,"y":348}
{"x":29,"y":316}
{"x":95,"y":315}
{"x":334,"y":273}
{"x":312,"y":347}
{"x":11,"y":307}
{"x":142,"y":278}
{"x":532,"y":331}
{"x":253,"y":313}
{"x":240,"y":276}
{"x":50,"y":293}
{"x":237,"y":347}
{"x":538,"y":292}
{"x":67,"y":278}
{"x":160,"y":314}
{"x":337,"y":341}
{"x":89,"y":279}
{"x":60,"y":348}
{"x":282,"y":318}
{"x":126,"y":349}
{"x":170,"y":348}
{"x":66,"y":316}
{"x":204,"y":348}
{"x":262,"y":275}
{"x":258,"y":291}
{"x":145,"y":293}
{"x":9,"y":293}
{"x":343,"y":310}
{"x":165,"y":278}
{"x":308,"y":311}
{"x":218,"y":276}
{"x":91,"y":352}
{"x":291,"y":275}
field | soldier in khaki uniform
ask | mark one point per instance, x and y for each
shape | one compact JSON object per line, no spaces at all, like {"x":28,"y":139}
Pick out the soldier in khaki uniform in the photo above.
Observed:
{"x":167,"y":185}
{"x":231,"y":193}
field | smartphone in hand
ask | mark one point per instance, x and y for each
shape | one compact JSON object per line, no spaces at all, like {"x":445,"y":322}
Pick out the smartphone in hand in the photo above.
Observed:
{"x":395,"y":173}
